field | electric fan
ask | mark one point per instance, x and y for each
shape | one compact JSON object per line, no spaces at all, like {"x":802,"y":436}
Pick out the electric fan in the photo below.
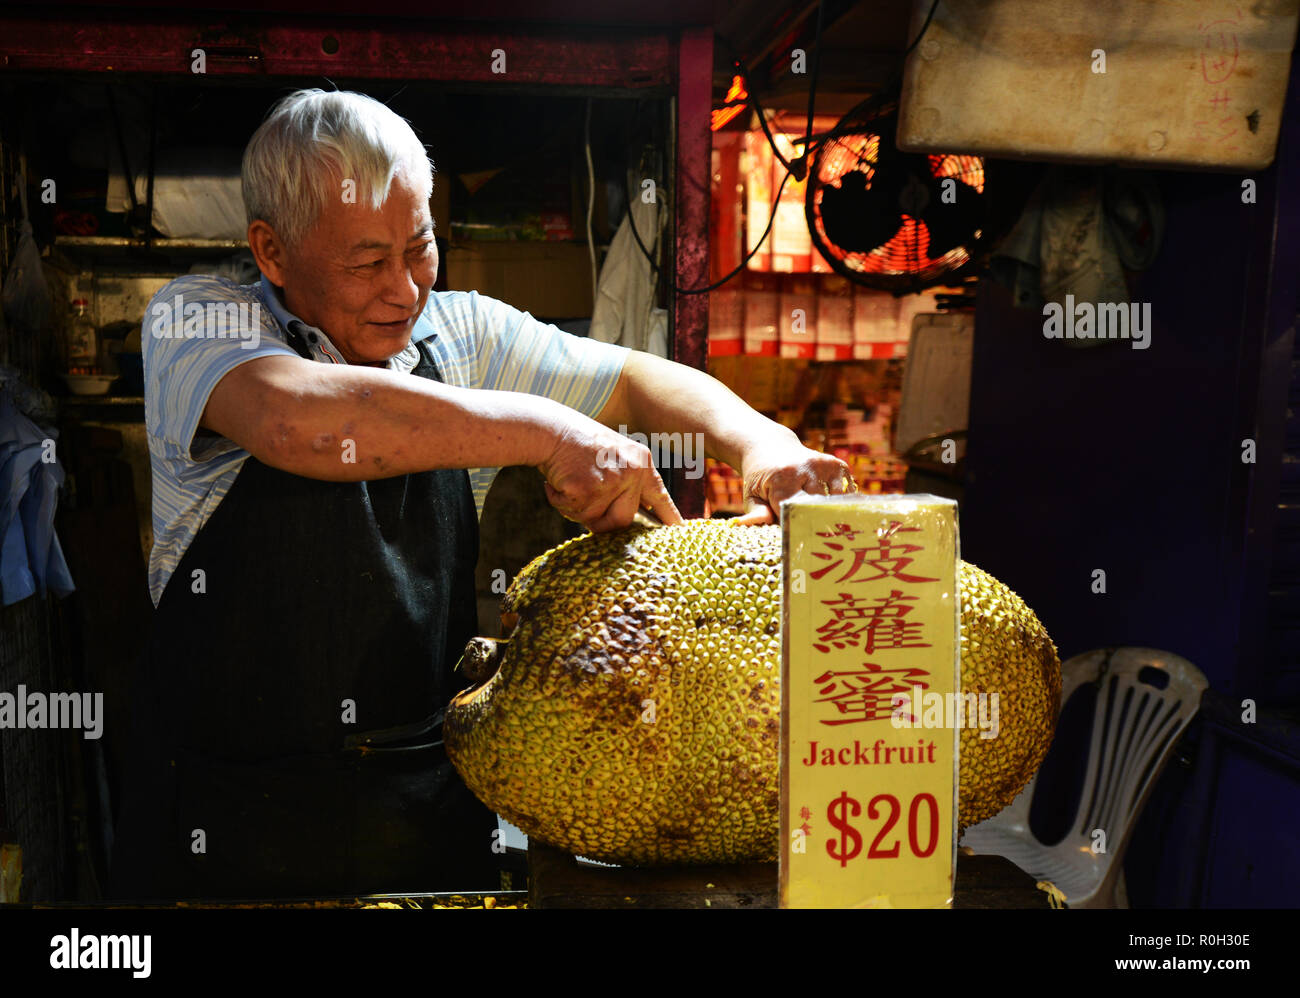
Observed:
{"x":892,"y":220}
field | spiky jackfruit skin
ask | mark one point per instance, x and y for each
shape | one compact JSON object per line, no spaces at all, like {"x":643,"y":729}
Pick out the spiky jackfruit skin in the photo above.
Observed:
{"x":1004,"y":650}
{"x":635,"y":713}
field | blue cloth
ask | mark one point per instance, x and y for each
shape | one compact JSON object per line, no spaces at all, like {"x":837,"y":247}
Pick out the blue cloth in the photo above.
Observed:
{"x":31,"y":559}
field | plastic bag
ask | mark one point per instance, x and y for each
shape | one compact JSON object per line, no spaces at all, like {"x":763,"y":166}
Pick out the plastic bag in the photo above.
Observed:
{"x":26,"y":295}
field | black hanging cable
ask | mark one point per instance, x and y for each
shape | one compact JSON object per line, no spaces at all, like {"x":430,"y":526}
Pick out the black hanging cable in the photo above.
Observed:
{"x":802,"y":161}
{"x":798,"y":167}
{"x":752,"y":100}
{"x":654,"y":266}
{"x":921,"y":34}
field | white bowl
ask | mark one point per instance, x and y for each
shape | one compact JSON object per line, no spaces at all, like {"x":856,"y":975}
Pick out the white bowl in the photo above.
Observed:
{"x":88,"y":384}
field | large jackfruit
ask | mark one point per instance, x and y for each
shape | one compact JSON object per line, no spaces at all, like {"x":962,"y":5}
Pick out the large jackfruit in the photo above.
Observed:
{"x":633,"y":714}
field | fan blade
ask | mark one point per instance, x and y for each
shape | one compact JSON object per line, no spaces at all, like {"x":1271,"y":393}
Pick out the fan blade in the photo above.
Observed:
{"x":954,"y":223}
{"x":858,"y":218}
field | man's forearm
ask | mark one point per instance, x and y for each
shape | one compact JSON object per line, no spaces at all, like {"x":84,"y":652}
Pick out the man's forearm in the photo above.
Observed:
{"x":355,"y":423}
{"x":657,"y":395}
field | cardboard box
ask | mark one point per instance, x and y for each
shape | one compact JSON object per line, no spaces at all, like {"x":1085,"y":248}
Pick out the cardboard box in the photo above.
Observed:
{"x":797,"y":322}
{"x":762,"y":314}
{"x":551,"y":280}
{"x":726,"y":320}
{"x":834,"y":319}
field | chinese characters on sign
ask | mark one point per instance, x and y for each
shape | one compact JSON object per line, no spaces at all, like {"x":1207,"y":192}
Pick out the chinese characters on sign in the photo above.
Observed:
{"x":869,"y":624}
{"x":1220,"y":119}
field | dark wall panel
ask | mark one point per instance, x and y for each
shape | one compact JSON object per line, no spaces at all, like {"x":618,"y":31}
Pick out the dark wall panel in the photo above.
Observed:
{"x":1123,"y":460}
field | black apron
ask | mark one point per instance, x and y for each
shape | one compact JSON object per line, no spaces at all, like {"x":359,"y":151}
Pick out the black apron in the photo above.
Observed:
{"x":289,"y":707}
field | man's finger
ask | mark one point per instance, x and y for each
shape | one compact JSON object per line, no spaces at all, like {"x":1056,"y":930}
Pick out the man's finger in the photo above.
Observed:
{"x":556,"y":498}
{"x":661,"y":503}
{"x":778,"y":493}
{"x":760,"y":515}
{"x":812,"y":483}
{"x":566,"y":506}
{"x":617,"y":513}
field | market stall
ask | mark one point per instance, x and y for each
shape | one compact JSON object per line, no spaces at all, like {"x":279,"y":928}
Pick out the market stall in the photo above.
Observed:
{"x":544,"y":461}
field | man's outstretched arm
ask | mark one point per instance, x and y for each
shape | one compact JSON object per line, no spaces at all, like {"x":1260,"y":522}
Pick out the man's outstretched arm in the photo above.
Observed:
{"x":657,"y":395}
{"x":304,"y":417}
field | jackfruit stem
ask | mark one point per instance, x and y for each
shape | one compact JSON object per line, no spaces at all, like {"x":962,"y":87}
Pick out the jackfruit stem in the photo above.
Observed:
{"x":481,"y":659}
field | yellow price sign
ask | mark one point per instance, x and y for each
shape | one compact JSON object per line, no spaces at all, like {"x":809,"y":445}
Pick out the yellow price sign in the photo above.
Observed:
{"x":870,"y":622}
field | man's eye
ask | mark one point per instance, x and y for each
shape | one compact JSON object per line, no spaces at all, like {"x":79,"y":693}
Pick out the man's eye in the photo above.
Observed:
{"x":372,"y":264}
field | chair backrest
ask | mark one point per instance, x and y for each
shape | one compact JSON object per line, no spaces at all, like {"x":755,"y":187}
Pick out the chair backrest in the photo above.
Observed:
{"x":1145,"y":699}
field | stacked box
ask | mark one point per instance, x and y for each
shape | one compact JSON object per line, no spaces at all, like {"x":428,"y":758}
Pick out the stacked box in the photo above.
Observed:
{"x":834,"y":319}
{"x":798,"y":321}
{"x":726,"y":320}
{"x":875,"y":323}
{"x":761,"y":314}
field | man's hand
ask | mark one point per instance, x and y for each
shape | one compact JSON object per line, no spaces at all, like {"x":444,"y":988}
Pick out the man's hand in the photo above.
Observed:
{"x":775,"y":472}
{"x":658,"y":394}
{"x":600,"y":478}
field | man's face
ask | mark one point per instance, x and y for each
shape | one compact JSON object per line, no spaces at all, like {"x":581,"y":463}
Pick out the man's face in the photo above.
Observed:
{"x":364,"y":276}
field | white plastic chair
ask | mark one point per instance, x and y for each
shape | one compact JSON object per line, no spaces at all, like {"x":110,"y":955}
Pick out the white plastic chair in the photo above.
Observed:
{"x":1134,"y":726}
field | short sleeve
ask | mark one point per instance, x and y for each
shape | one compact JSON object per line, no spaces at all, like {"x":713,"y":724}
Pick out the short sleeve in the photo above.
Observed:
{"x":196,"y":330}
{"x":517,"y":353}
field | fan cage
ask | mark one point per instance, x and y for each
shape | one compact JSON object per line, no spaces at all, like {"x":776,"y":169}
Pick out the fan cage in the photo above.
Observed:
{"x":906,"y":254}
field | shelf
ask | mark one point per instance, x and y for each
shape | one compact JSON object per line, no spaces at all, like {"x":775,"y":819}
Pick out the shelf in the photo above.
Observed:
{"x":113,"y":244}
{"x":97,"y":400}
{"x":103,"y":408}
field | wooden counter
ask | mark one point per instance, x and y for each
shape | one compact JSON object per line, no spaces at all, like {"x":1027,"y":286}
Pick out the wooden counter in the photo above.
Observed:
{"x":557,"y":880}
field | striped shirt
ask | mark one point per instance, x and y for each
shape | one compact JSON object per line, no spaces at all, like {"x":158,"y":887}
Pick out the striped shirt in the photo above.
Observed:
{"x":199,"y":328}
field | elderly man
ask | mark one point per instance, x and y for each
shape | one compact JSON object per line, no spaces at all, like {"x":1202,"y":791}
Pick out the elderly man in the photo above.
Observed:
{"x":320,"y":442}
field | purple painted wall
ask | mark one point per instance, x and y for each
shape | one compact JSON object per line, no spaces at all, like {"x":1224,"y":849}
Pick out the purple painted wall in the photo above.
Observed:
{"x":1129,"y":461}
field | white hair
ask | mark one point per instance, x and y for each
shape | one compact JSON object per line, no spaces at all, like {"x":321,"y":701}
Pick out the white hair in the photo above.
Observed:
{"x":314,"y":140}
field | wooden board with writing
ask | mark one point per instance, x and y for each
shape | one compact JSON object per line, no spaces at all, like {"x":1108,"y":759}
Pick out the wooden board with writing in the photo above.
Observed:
{"x":1175,"y":83}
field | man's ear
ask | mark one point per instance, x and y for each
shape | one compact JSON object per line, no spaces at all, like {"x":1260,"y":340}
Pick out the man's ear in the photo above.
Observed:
{"x":267,"y":250}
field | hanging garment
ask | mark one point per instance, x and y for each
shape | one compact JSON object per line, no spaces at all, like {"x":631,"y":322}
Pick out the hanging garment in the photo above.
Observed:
{"x":625,"y":298}
{"x":31,"y":559}
{"x":1077,"y":233}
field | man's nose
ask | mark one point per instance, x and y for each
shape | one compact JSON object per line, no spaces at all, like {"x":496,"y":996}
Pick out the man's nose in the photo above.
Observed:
{"x":400,"y":287}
